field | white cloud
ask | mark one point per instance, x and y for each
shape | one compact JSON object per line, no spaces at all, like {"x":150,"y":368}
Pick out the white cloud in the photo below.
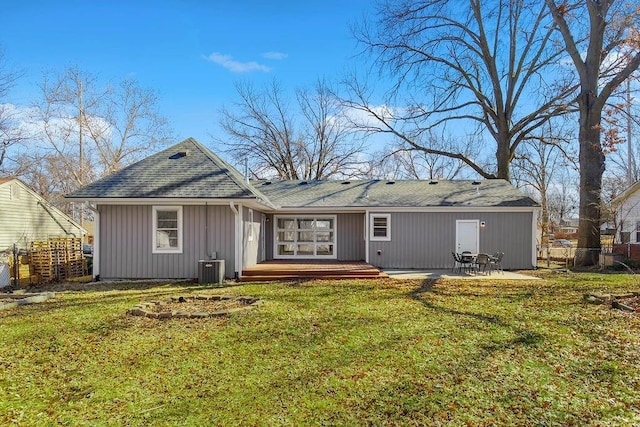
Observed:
{"x":275,"y":55}
{"x":363,"y":118}
{"x":232,"y":65}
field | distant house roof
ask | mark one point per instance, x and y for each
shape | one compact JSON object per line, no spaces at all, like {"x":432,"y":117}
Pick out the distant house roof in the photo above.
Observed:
{"x":403,"y":193}
{"x":187,"y":170}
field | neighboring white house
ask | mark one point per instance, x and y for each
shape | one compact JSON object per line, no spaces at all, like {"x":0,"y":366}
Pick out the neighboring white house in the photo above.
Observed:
{"x":25,"y":216}
{"x":568,"y":226}
{"x":627,"y":207}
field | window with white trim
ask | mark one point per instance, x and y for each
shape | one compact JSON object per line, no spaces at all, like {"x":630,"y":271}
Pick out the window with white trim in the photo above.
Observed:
{"x":167,"y":229}
{"x":380,"y":227}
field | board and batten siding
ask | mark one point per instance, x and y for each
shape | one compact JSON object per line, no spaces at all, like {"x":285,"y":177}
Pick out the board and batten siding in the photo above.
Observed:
{"x":426,"y":239}
{"x":350,"y":242}
{"x":25,"y":217}
{"x":350,"y":238}
{"x":125,"y":240}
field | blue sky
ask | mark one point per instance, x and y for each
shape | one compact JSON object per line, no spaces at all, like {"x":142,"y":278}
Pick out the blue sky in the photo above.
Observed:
{"x":189,"y":52}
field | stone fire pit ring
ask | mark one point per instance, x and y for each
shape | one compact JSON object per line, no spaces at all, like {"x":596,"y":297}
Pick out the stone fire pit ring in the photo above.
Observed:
{"x":170,"y":308}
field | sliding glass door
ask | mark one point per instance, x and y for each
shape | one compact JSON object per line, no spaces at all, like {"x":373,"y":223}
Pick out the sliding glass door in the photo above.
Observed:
{"x":305,"y":236}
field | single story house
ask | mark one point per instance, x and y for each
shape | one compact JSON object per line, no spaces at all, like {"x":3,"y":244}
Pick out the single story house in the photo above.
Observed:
{"x":157,"y":218}
{"x":25,"y":216}
{"x":627,"y":212}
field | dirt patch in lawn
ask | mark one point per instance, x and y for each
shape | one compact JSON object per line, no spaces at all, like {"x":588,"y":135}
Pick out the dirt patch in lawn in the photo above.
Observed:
{"x":194,"y":307}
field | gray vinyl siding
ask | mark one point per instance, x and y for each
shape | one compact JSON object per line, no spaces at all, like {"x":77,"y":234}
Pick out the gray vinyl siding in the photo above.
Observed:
{"x":252,"y":249}
{"x":125,"y":240}
{"x":350,"y":243}
{"x":350,"y":237}
{"x":25,"y":217}
{"x":426,"y":240}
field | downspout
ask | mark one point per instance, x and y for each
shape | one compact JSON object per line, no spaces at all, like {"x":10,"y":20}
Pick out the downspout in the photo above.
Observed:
{"x":96,"y":242}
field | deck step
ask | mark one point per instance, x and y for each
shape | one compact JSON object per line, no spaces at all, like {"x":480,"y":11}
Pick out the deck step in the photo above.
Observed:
{"x":305,"y":270}
{"x":285,"y":277}
{"x":310,"y":272}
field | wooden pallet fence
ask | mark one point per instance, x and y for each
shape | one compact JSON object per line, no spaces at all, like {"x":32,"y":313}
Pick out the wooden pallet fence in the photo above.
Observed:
{"x":57,"y":259}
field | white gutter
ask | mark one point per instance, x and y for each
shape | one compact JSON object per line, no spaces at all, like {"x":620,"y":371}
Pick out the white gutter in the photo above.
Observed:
{"x":238,"y":237}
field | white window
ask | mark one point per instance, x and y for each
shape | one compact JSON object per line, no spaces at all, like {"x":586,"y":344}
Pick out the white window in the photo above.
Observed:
{"x":167,"y":229}
{"x":380,"y":227}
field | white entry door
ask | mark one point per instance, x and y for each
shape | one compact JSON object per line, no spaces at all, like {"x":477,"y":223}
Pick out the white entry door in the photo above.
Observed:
{"x":467,"y":235}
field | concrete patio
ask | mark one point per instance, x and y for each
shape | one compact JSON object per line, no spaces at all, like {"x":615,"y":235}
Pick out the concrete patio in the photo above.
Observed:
{"x":448,"y":274}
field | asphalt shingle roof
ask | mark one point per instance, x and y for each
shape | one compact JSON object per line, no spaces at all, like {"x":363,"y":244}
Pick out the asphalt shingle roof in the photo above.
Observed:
{"x":405,"y":193}
{"x":189,"y":170}
{"x":185,"y":170}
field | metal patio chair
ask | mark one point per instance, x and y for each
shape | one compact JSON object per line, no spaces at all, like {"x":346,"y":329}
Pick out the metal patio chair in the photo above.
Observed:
{"x":467,"y":261}
{"x":496,"y":261}
{"x":483,"y":261}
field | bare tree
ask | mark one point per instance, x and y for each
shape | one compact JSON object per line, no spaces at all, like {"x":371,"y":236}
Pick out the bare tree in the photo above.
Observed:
{"x":480,"y":64}
{"x":308,"y":141}
{"x":540,"y":161}
{"x":400,"y":162}
{"x":90,"y":129}
{"x":11,"y":132}
{"x":601,"y":38}
{"x":127,"y":126}
{"x":622,"y":120}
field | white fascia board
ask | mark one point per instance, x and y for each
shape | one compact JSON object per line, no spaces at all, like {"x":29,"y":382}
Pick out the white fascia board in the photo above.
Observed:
{"x":374,"y":209}
{"x":175,"y":201}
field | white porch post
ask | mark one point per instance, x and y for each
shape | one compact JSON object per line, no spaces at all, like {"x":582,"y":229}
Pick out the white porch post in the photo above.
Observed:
{"x":366,"y":235}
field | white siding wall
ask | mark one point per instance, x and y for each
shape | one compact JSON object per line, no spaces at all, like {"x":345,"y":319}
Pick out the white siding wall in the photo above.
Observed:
{"x":629,"y":215}
{"x":25,"y":217}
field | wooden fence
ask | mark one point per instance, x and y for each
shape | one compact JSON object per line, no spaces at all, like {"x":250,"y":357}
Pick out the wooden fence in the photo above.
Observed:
{"x":52,"y":260}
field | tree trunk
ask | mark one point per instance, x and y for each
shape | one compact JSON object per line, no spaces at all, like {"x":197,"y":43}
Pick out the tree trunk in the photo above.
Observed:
{"x":591,"y":171}
{"x":503,"y":157}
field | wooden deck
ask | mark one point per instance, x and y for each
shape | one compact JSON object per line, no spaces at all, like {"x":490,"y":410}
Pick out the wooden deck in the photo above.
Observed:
{"x":310,"y":269}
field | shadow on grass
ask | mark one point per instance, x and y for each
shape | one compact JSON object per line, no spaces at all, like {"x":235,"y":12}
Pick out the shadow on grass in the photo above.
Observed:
{"x":428,"y":286}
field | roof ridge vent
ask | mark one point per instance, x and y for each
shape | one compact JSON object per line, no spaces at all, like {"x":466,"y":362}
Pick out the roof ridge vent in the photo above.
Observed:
{"x":180,"y":154}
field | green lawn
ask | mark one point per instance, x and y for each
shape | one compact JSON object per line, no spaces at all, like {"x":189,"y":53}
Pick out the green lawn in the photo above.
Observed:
{"x":471,"y":353}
